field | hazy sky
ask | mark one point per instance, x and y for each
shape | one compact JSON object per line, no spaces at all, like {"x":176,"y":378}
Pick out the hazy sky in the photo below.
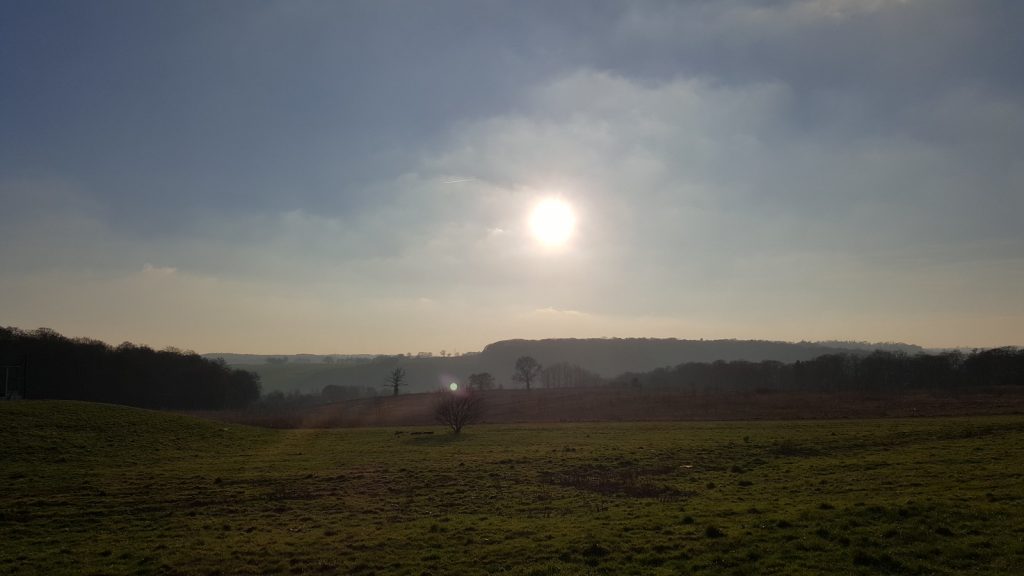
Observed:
{"x":321,"y":177}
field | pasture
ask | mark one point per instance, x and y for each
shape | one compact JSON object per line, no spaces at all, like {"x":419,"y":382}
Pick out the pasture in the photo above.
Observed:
{"x":98,"y":489}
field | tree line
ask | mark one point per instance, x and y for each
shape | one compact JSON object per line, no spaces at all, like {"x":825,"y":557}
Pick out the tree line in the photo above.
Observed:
{"x":58,"y":367}
{"x":611,"y":356}
{"x":878,"y":371}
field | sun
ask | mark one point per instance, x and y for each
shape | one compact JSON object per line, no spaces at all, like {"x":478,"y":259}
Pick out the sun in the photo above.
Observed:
{"x":552,"y":222}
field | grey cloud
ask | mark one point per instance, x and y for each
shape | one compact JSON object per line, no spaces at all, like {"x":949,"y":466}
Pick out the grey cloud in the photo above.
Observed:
{"x":736,"y":166}
{"x":719,"y":171}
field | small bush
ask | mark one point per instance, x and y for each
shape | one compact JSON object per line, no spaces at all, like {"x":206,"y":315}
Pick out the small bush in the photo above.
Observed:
{"x":883,"y":562}
{"x":595,"y":550}
{"x":713,"y":532}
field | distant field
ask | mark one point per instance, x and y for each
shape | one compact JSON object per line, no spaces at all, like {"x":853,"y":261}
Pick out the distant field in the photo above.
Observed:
{"x":94,"y":489}
{"x":604,"y":404}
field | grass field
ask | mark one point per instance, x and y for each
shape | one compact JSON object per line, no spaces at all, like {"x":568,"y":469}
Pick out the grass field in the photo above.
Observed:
{"x":604,"y":404}
{"x":93,"y":489}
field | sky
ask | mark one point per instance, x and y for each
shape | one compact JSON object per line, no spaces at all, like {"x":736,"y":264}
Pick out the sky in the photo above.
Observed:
{"x":358,"y":177}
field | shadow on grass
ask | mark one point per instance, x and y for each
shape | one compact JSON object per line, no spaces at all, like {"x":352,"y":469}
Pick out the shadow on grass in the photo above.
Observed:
{"x":439,"y":439}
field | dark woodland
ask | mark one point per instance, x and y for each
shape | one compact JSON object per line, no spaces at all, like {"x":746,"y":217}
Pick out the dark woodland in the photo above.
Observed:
{"x":52,"y":366}
{"x":46,"y":365}
{"x":877,"y":371}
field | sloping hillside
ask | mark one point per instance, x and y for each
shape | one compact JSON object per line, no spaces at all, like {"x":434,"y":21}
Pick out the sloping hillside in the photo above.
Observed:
{"x":84,"y":435}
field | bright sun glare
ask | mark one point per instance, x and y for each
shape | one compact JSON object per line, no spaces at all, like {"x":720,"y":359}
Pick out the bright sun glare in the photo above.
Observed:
{"x":552,"y":222}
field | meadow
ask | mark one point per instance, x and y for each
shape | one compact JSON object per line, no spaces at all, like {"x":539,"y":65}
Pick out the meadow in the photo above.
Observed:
{"x":100,"y":489}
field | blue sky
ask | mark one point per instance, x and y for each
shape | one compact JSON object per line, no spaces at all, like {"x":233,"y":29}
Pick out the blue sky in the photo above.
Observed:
{"x":357,"y":176}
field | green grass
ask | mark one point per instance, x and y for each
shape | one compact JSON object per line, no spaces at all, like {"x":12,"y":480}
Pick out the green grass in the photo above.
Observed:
{"x":93,"y":489}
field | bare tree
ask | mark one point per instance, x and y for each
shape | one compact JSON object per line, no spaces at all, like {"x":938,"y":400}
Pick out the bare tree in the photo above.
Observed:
{"x":457,"y":408}
{"x":527,"y":370}
{"x":481,"y":381}
{"x":396,"y":379}
{"x":566,"y":375}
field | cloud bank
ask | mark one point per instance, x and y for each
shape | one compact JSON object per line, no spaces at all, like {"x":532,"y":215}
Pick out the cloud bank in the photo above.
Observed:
{"x":791,"y":170}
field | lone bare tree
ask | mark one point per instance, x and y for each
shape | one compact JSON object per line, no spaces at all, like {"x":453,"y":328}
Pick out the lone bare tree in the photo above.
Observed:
{"x":396,"y":379}
{"x":457,"y":408}
{"x":527,"y":370}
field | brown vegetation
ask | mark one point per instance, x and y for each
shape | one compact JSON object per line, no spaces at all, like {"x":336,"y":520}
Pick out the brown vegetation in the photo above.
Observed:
{"x":457,"y":408}
{"x":611,"y":404}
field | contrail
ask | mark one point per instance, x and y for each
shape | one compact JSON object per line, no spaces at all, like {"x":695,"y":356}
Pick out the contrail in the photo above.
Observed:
{"x":454,"y":180}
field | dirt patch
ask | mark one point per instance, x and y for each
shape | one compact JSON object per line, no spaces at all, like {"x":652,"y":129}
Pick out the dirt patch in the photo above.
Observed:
{"x":636,"y":482}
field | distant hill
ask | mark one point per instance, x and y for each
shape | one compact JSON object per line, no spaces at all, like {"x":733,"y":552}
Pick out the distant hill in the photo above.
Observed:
{"x":608,"y":357}
{"x":613,"y":356}
{"x":233,"y":358}
{"x":872,"y":346}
